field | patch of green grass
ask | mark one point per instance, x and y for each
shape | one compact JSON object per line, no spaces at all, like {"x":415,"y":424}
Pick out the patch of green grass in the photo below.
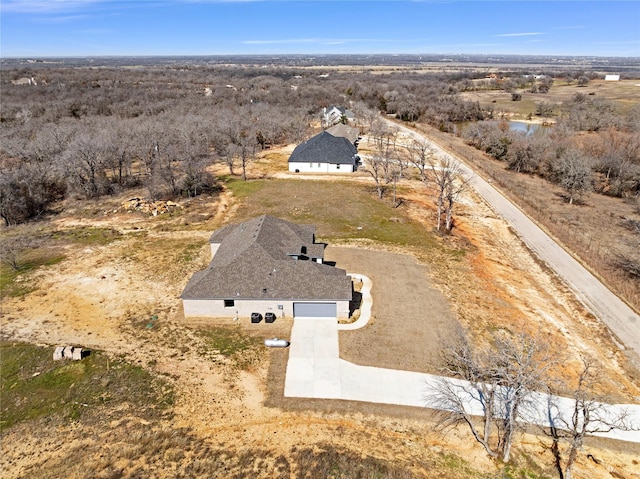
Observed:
{"x":10,"y":286}
{"x":524,"y":466}
{"x":457,"y":254}
{"x":455,"y":464}
{"x":241,"y":189}
{"x":190,"y":252}
{"x":339,"y":209}
{"x":242,"y":349}
{"x":87,"y":235}
{"x":516,"y":472}
{"x":33,"y":385}
{"x":227,"y":341}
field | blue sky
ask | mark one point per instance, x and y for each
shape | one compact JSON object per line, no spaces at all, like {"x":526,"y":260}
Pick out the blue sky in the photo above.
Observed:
{"x":41,"y":28}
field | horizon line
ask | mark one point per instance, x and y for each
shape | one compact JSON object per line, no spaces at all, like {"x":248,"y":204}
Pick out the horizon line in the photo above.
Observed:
{"x":192,"y":55}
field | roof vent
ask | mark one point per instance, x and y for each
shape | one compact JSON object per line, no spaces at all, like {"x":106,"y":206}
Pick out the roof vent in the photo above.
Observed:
{"x":264,"y":290}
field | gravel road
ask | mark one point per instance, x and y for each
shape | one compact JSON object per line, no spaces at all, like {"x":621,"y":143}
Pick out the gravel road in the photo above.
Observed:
{"x":622,"y":321}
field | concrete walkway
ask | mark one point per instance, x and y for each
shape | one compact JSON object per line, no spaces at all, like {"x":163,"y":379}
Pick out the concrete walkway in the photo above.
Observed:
{"x":365,"y":305}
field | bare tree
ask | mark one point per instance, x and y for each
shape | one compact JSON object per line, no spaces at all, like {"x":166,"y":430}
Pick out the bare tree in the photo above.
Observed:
{"x":494,"y":384}
{"x":544,"y":109}
{"x":466,"y":391}
{"x":220,"y":140}
{"x":11,"y":247}
{"x":374,"y":166}
{"x":421,"y":156}
{"x":454,"y":189}
{"x":521,"y":366}
{"x":118,"y":152}
{"x":572,"y":170}
{"x":383,"y":164}
{"x":526,"y":153}
{"x":85,"y":164}
{"x":241,"y":139}
{"x":149,"y":140}
{"x":196,"y":178}
{"x":588,"y":416}
{"x":384,"y":138}
{"x":364,"y":116}
{"x":450,"y":183}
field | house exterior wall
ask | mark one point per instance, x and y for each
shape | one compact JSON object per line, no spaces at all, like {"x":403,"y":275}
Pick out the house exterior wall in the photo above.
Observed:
{"x":319,"y":168}
{"x":214,"y":249}
{"x":215,"y":308}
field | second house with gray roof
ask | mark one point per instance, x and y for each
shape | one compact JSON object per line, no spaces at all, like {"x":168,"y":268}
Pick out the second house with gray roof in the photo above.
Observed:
{"x":324,"y":153}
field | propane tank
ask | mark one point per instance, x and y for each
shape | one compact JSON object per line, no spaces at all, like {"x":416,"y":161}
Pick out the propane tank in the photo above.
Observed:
{"x":276,"y":343}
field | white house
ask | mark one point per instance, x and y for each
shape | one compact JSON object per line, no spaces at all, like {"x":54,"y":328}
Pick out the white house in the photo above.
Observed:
{"x":324,"y":153}
{"x":335,"y":114}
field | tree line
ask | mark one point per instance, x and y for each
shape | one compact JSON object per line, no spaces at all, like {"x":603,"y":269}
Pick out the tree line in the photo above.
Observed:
{"x":92,"y":131}
{"x":606,"y":161}
{"x":95,"y":133}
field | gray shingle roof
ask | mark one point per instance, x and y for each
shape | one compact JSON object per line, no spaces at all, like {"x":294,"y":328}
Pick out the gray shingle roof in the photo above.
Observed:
{"x":351,"y":133}
{"x":325,"y":148}
{"x":255,"y":261}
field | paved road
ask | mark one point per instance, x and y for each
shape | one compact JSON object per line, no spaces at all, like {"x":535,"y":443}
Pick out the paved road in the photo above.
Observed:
{"x":615,"y":313}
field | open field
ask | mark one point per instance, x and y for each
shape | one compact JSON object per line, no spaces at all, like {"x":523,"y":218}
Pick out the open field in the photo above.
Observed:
{"x":114,"y":287}
{"x":625,"y":93}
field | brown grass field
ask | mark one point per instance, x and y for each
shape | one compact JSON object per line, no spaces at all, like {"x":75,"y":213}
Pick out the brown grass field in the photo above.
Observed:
{"x":625,"y":93}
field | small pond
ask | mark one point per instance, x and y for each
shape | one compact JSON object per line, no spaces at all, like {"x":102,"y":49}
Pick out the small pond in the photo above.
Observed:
{"x":524,"y":127}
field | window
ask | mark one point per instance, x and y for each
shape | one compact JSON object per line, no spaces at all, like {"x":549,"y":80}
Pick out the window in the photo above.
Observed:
{"x":229,"y":303}
{"x":318,"y":165}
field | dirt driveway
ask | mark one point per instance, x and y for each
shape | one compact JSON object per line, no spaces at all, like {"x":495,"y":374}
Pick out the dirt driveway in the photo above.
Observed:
{"x":410,"y":318}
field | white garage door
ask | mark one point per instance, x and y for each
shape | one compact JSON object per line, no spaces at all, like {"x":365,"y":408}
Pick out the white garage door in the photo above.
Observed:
{"x":315,"y":310}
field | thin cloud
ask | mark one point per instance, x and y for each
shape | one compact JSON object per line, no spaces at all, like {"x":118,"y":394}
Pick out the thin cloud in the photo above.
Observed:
{"x":526,"y":34}
{"x":325,"y":41}
{"x":45,"y":6}
{"x":281,"y":42}
{"x":60,"y":19}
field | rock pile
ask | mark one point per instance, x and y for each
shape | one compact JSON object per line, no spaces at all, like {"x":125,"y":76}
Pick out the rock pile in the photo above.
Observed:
{"x":68,"y":352}
{"x":154,"y":208}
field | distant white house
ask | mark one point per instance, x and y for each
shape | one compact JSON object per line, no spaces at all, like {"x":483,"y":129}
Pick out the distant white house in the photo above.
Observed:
{"x":25,"y":81}
{"x":612,"y":78}
{"x":335,"y":114}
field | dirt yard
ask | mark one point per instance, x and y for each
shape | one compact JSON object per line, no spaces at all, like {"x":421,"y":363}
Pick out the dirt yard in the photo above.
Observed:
{"x":410,"y":318}
{"x":102,"y":296}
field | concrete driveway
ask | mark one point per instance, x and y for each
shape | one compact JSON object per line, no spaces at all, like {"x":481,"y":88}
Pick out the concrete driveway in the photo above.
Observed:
{"x":315,"y":370}
{"x":313,"y":359}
